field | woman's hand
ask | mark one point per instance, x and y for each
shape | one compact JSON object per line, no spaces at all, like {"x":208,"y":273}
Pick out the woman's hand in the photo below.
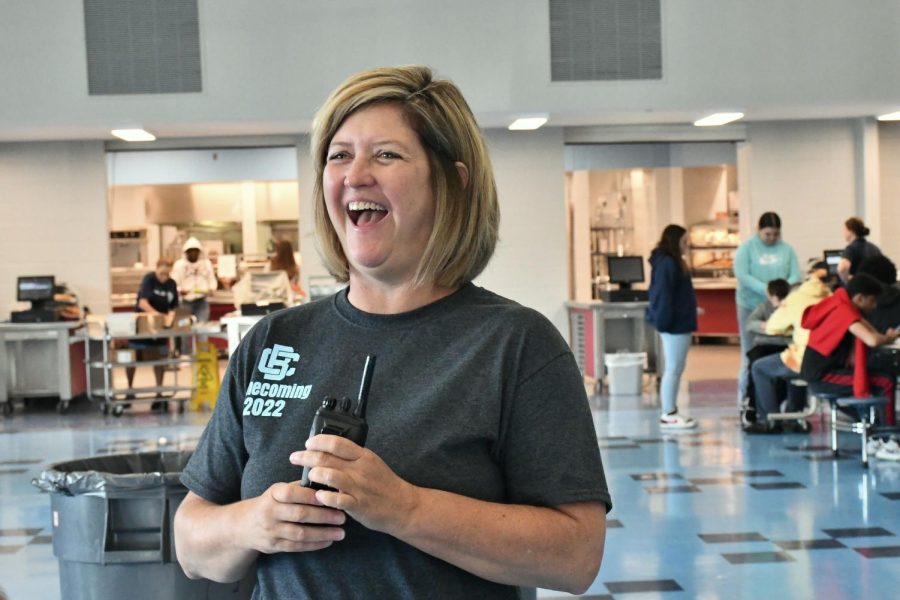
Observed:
{"x":367,"y":489}
{"x":288,"y":518}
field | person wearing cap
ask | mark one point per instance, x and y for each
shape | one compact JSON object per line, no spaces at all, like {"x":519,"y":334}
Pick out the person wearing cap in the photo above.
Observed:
{"x":196,"y":279}
{"x":767,"y":371}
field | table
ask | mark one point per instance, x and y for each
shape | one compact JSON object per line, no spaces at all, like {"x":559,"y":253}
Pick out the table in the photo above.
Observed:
{"x":597,"y":328}
{"x":36,"y":360}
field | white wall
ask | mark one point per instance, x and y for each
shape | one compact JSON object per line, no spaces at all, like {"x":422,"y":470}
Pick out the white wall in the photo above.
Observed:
{"x":53,"y":219}
{"x":529,"y":265}
{"x":889,"y":152}
{"x":805,"y":172}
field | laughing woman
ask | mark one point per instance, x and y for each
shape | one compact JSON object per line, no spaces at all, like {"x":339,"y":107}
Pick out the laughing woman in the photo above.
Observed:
{"x":481,"y":472}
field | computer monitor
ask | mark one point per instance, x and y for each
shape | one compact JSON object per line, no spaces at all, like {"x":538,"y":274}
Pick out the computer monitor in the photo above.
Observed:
{"x":37,"y":289}
{"x":832,"y":257}
{"x":625,"y":270}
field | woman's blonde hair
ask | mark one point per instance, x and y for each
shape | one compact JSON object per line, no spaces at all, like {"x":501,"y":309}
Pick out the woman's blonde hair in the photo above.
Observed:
{"x":467,"y":216}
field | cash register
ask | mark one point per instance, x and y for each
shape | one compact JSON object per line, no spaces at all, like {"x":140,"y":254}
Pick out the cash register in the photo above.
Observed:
{"x":624,"y":271}
{"x":37,"y":289}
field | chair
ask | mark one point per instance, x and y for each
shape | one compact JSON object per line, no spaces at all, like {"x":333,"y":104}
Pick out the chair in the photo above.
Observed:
{"x":865,"y":410}
{"x":800,"y":416}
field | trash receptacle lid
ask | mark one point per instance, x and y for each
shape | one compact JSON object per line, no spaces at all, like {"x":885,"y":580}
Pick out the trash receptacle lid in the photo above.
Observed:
{"x":116,"y":473}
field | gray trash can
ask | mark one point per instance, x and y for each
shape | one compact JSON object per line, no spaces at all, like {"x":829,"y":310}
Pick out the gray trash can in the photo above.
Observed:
{"x":112,"y":520}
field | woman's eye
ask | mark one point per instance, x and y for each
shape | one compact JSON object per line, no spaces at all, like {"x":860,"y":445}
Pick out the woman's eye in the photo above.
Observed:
{"x":388,"y":154}
{"x":337,"y":155}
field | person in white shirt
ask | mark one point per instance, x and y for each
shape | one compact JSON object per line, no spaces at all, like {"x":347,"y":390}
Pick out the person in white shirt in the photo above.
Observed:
{"x":196,"y":279}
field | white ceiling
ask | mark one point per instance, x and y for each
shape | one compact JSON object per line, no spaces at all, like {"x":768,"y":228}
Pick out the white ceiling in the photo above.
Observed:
{"x":267,"y":66}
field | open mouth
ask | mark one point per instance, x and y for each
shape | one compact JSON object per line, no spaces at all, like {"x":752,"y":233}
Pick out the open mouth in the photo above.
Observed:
{"x":365,"y":213}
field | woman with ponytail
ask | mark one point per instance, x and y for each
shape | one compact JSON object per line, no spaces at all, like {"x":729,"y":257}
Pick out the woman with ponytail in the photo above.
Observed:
{"x":858,"y":248}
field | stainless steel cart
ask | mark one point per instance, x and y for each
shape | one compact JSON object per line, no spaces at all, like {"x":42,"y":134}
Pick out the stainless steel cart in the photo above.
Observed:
{"x":100,"y":344}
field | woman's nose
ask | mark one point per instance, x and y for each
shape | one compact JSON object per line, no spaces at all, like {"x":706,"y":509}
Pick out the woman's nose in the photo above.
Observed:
{"x":358,"y":174}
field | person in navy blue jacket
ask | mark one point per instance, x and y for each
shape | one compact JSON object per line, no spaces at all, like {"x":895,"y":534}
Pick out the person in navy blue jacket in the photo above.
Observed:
{"x":673,"y":312}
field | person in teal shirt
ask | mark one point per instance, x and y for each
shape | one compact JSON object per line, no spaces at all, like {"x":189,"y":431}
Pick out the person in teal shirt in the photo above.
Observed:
{"x":758,"y":261}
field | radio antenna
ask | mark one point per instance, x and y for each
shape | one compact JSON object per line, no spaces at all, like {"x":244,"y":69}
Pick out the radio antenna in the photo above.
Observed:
{"x":360,"y":410}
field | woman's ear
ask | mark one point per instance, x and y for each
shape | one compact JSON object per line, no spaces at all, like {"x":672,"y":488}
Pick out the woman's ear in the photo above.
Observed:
{"x":463,"y":171}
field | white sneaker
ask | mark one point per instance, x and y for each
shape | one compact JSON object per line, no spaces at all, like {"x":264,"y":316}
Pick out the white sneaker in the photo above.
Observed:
{"x":889,"y":451}
{"x":873,"y":446}
{"x":676,"y":421}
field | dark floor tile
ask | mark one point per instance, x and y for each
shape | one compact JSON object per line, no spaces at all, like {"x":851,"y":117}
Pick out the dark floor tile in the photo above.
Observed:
{"x":652,"y":585}
{"x":858,"y":532}
{"x":618,"y":446}
{"x":827,"y":457}
{"x":27,"y":531}
{"x":716,"y":481}
{"x":614,"y":524}
{"x":673,"y":489}
{"x":891,"y":495}
{"x":743,"y":558}
{"x":13,"y":471}
{"x":655,"y":476}
{"x":777,"y":485}
{"x":880,"y":552}
{"x":611,"y":438}
{"x":809,"y":544}
{"x":41,"y":539}
{"x":807,"y":448}
{"x":727,"y":538}
{"x":22,"y":461}
{"x":10,"y":549}
{"x":758,"y":473}
{"x":590,"y":597}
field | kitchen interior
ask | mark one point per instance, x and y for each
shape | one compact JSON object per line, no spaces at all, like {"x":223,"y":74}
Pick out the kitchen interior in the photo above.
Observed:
{"x":237,"y":202}
{"x":621,"y":196}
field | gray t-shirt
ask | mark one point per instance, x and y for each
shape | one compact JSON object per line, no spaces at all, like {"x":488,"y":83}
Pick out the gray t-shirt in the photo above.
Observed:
{"x":472,"y":394}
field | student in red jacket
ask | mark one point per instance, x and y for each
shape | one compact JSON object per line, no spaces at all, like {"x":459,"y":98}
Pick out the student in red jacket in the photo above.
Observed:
{"x":835,"y":359}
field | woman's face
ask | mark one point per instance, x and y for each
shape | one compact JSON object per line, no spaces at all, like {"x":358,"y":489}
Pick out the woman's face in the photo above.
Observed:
{"x":849,"y":236}
{"x":377,"y":185}
{"x":683,"y":244}
{"x":769,"y":235}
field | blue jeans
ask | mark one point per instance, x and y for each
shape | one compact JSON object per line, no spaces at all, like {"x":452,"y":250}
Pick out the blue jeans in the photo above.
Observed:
{"x":675,"y":348}
{"x":766,"y":372}
{"x":743,"y":374}
{"x":199,"y":308}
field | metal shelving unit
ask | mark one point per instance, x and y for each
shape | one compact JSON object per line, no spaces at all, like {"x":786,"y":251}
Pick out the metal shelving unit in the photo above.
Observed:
{"x":114,"y":400}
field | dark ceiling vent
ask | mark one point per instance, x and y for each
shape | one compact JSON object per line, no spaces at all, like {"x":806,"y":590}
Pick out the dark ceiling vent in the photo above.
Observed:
{"x":605,"y":40}
{"x":142,"y":46}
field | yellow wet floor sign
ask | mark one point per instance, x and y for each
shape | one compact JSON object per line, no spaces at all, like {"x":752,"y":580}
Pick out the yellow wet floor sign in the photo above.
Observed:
{"x":206,"y":377}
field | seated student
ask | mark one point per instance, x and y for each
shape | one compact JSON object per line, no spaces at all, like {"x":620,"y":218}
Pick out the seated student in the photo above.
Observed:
{"x":776,"y":291}
{"x":836,"y":356}
{"x":887,"y":311}
{"x":767,"y":372}
{"x":760,"y":344}
{"x":885,"y":316}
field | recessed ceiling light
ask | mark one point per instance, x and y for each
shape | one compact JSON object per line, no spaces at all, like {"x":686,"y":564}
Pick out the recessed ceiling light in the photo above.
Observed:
{"x":718,"y":119}
{"x":133,"y":135}
{"x":527,"y":123}
{"x":894,"y":116}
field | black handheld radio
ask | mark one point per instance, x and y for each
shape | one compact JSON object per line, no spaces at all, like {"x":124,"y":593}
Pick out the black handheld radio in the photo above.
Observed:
{"x":335,"y":418}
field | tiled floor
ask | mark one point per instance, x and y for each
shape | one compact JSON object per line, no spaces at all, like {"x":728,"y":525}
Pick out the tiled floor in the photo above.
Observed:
{"x":706,"y":514}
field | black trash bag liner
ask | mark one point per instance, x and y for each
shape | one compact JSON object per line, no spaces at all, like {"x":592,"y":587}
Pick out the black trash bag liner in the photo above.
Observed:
{"x":118,"y":473}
